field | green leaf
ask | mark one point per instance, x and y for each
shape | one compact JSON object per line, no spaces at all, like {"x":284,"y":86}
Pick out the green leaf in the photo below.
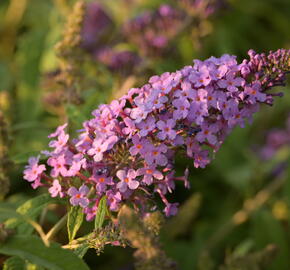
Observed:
{"x":14,"y":263}
{"x":22,"y":158}
{"x":31,"y":266}
{"x":31,"y":248}
{"x":75,"y":114}
{"x":101,"y":213}
{"x":74,"y":221}
{"x":31,"y":209}
{"x":10,"y":214}
{"x":268,"y":230}
{"x":81,"y":250}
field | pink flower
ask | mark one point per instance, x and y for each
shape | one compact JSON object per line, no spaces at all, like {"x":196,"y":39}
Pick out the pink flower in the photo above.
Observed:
{"x":58,"y":164}
{"x":127,"y":180}
{"x":231,"y":83}
{"x":158,"y":100}
{"x":77,"y":162}
{"x":146,"y":126}
{"x":171,"y":209}
{"x":139,"y":146}
{"x":149,"y":173}
{"x":60,"y":143}
{"x":101,"y":182}
{"x":130,"y":128}
{"x":33,"y":171}
{"x":207,"y":133}
{"x":254,"y":93}
{"x":98,"y":149}
{"x":201,"y":159}
{"x":114,"y":199}
{"x":201,"y":77}
{"x":59,"y":130}
{"x":182,"y":107}
{"x":156,"y":155}
{"x":78,"y":196}
{"x":55,"y":189}
{"x":186,"y":91}
{"x":166,"y":129}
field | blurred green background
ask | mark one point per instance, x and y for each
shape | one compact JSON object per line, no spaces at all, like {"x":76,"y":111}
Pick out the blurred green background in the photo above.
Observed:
{"x":237,"y":206}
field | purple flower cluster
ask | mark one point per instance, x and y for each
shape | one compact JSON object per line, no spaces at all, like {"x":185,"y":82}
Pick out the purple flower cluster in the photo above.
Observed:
{"x":97,"y":34}
{"x":276,"y":140}
{"x":116,"y":60}
{"x":152,"y":31}
{"x":126,"y":151}
{"x":202,"y":8}
{"x":97,"y":27}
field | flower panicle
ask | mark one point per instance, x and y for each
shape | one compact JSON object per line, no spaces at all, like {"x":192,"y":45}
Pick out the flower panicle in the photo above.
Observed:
{"x":126,"y":151}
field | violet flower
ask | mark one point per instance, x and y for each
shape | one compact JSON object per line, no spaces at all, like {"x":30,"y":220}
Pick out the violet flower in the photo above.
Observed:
{"x":127,"y":180}
{"x":166,"y":129}
{"x":149,"y":174}
{"x":78,"y":196}
{"x":33,"y":171}
{"x":146,"y":126}
{"x":56,"y":189}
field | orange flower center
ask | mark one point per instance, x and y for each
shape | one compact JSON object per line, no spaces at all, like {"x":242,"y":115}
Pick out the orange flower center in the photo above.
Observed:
{"x":102,"y":180}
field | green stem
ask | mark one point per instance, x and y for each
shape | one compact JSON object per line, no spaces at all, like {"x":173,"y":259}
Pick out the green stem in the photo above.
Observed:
{"x":56,"y":228}
{"x":38,"y":228}
{"x":77,"y":242}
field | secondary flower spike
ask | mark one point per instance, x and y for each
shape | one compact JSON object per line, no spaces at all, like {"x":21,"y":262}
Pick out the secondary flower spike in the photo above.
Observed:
{"x":126,"y":151}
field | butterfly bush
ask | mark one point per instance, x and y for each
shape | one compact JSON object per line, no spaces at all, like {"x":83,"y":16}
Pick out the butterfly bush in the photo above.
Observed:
{"x":97,"y":27}
{"x":97,"y":32}
{"x":152,"y":31}
{"x":126,"y":151}
{"x":203,"y":8}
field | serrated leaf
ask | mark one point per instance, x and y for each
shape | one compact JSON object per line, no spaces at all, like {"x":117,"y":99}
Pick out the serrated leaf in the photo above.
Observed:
{"x":14,"y":263}
{"x":31,"y":209}
{"x":31,"y":248}
{"x":74,"y":221}
{"x":101,"y":213}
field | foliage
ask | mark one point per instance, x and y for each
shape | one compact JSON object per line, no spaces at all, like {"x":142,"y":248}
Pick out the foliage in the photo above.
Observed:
{"x":239,"y":211}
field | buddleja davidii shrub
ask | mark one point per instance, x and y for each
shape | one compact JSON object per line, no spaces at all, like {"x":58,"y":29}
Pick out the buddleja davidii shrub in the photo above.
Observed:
{"x":124,"y":155}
